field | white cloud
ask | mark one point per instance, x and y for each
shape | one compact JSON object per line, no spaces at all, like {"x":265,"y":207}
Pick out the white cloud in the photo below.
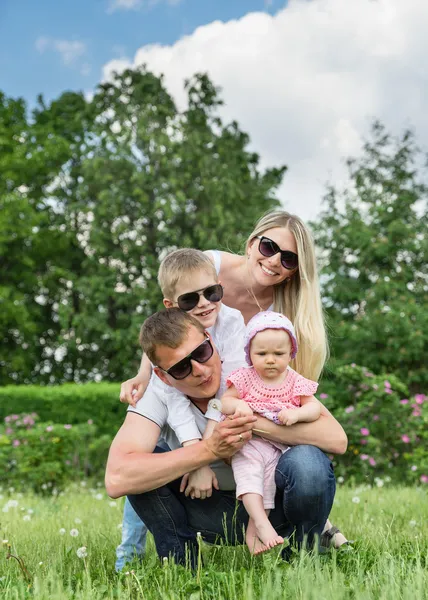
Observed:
{"x":115,"y":5}
{"x":306,"y":82}
{"x":69,"y":50}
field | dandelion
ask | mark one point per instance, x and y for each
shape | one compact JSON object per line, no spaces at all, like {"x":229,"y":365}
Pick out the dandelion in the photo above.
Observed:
{"x":83,"y":483}
{"x":349,"y":409}
{"x":412,"y":523}
{"x":405,"y":438}
{"x":379,"y":483}
{"x":30,"y":511}
{"x":98,"y":496}
{"x":82,"y":552}
{"x":112,"y":503}
{"x":13,"y":503}
{"x":4,"y":542}
{"x":388,"y":478}
{"x":340,"y":479}
{"x":77,"y":520}
{"x":26,"y":518}
{"x":74,"y":532}
{"x":62,"y":531}
{"x":356,"y":500}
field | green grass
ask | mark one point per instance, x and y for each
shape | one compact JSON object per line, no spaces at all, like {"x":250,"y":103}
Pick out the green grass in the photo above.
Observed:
{"x":390,"y":526}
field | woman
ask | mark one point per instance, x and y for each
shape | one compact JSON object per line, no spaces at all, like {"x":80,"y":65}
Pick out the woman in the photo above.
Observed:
{"x":277,"y":272}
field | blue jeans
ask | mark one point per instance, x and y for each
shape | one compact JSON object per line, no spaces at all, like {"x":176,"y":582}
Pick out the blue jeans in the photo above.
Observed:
{"x":134,"y":533}
{"x":305,"y":492}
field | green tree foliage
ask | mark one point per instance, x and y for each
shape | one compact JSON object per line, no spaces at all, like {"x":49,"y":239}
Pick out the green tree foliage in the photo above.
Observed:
{"x":374,"y":247}
{"x":101,"y":190}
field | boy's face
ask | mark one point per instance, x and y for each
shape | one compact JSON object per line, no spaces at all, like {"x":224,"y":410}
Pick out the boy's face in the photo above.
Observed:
{"x":205,"y":311}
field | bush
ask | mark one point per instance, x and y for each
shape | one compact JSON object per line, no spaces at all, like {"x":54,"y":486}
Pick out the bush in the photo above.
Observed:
{"x":46,"y":456}
{"x":387,"y":430}
{"x":69,"y":403}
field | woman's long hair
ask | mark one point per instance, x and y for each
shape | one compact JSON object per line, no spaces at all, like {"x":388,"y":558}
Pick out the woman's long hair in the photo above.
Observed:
{"x":300,"y":298}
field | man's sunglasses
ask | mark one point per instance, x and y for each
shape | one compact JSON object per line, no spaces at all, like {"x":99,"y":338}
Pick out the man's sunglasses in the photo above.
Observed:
{"x":213,"y":293}
{"x":267,"y":247}
{"x":183,"y":368}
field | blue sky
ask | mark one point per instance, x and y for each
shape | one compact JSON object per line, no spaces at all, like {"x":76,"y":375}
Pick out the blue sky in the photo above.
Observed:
{"x":48,"y":46}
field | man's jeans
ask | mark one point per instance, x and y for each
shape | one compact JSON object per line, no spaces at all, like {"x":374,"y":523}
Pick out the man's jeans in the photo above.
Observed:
{"x":305,"y":491}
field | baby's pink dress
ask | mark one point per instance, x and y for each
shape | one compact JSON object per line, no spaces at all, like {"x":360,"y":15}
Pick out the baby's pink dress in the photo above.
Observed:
{"x":254,"y":466}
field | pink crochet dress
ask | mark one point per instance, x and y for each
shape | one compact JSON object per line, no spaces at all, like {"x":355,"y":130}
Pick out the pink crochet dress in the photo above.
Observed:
{"x":254,"y":466}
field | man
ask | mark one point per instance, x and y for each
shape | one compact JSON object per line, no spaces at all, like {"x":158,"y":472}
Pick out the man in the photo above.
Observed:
{"x":151,"y":479}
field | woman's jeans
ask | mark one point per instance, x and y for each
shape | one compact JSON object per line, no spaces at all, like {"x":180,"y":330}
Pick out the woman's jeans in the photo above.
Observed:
{"x":134,"y":533}
{"x":305,"y":491}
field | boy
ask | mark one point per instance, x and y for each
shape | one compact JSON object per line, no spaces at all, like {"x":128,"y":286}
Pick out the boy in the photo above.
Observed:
{"x":188,"y":279}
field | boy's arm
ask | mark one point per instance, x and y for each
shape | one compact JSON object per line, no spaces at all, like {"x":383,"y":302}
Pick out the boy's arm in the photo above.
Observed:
{"x":133,"y":389}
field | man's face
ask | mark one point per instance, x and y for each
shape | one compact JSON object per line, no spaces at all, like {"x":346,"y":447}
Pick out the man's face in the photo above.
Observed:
{"x":204,"y":380}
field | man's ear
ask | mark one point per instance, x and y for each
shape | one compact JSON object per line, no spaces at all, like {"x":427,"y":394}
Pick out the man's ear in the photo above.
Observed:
{"x":168,"y":303}
{"x":162,"y":375}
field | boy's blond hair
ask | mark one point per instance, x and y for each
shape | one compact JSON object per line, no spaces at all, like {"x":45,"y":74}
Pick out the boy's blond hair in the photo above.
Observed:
{"x":168,"y":328}
{"x":182,"y":263}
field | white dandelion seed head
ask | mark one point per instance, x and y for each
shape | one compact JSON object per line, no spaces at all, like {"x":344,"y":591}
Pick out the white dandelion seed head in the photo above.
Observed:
{"x":74,"y":532}
{"x":82,"y":552}
{"x":77,"y":520}
{"x":356,"y":500}
{"x":62,"y":531}
{"x":26,"y":518}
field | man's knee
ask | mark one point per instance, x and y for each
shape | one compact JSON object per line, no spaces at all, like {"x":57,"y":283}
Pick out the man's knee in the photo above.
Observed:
{"x":305,"y":469}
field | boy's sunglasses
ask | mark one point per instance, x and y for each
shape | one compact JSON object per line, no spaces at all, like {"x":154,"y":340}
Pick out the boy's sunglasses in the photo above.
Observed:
{"x":267,"y":247}
{"x":183,"y":368}
{"x":213,"y":293}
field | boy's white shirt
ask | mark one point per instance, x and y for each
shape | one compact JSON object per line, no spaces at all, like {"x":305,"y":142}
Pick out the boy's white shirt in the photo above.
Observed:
{"x":179,"y":419}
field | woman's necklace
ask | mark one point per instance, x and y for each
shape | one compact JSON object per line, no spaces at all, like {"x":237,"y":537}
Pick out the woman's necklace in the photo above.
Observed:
{"x":250,"y":291}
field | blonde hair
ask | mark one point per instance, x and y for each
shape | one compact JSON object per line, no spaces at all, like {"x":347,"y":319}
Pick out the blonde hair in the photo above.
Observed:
{"x":182,"y":263}
{"x":299,"y":298}
{"x":168,"y":328}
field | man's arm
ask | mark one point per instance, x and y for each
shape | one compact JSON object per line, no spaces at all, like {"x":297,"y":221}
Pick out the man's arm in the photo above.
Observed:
{"x":326,"y":433}
{"x":132,"y":468}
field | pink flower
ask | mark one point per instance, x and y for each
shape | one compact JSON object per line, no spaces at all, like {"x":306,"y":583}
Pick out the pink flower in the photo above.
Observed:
{"x":404,"y":401}
{"x":388,"y":391}
{"x":396,"y":454}
{"x":416,"y":413}
{"x":353,"y":365}
{"x":364,"y":456}
{"x":405,"y":439}
{"x":419,"y":398}
{"x":424,"y":478}
{"x":323,"y":396}
{"x":68,"y":426}
{"x":375,"y":417}
{"x":16,"y":443}
{"x":49,"y":428}
{"x":349,"y":409}
{"x":372,"y":461}
{"x":364,"y":431}
{"x":363,"y":441}
{"x":90,"y":422}
{"x":9,"y":430}
{"x":413,"y":468}
{"x":387,"y":384}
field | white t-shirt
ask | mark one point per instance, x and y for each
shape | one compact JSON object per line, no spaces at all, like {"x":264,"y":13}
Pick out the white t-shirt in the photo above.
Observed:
{"x":178,"y":418}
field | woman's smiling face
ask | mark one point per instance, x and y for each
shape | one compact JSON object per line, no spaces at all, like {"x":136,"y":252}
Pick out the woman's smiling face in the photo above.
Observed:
{"x":269,"y":271}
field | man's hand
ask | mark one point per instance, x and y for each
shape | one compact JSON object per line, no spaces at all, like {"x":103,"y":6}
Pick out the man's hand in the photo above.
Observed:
{"x":230,"y":435}
{"x":242,"y":410}
{"x":199,"y":483}
{"x":288,"y":416}
{"x":132,"y":390}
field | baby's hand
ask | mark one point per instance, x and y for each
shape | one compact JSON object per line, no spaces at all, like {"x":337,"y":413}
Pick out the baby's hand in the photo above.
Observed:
{"x":199,"y":483}
{"x":243,"y":410}
{"x":288,"y":416}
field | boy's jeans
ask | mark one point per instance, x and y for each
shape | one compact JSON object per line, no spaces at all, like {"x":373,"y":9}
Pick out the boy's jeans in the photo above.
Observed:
{"x":134,"y":533}
{"x":305,"y":491}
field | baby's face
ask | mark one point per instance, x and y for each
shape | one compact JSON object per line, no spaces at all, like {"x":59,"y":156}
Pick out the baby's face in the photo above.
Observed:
{"x":270,"y":353}
{"x":205,"y":311}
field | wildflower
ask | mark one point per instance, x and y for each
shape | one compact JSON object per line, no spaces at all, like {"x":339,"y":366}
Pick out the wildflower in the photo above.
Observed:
{"x":112,"y":503}
{"x":420,"y":398}
{"x":353,"y":365}
{"x":375,"y":417}
{"x":16,"y":443}
{"x":5,"y":542}
{"x":98,"y":496}
{"x":40,"y":563}
{"x":12,"y":503}
{"x":323,"y":396}
{"x":340,"y":479}
{"x":416,"y":413}
{"x":388,"y":478}
{"x":424,"y":478}
{"x":387,"y":384}
{"x":90,"y":422}
{"x":364,"y":431}
{"x":68,"y":426}
{"x":82,"y":552}
{"x":412,"y":523}
{"x":372,"y":461}
{"x":62,"y":531}
{"x":49,"y":428}
{"x":26,"y":518}
{"x":388,"y":391}
{"x":405,"y":438}
{"x":77,"y":520}
{"x":404,"y":401}
{"x":349,"y":409}
{"x":30,"y":511}
{"x":413,"y":468}
{"x":379,"y":483}
{"x":364,"y":456}
{"x":375,"y":387}
{"x":356,"y":500}
{"x":83,"y":483}
{"x":74,"y":532}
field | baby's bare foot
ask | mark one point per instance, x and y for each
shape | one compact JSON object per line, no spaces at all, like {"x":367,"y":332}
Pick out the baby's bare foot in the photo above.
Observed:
{"x":255,"y":546}
{"x":267,"y":535}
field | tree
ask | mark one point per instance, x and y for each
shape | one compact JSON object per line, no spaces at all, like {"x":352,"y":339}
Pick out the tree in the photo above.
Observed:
{"x":374,"y":254}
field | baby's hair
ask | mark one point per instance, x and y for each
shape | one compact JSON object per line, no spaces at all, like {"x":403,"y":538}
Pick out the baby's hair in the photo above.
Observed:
{"x":182,"y":263}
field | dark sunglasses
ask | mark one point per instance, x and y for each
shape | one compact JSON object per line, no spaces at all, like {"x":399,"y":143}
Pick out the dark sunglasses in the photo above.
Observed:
{"x":267,"y":247}
{"x":213,"y":293}
{"x":183,"y":368}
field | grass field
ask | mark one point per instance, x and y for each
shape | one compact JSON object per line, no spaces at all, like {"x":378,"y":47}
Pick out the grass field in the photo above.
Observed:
{"x":389,"y":561}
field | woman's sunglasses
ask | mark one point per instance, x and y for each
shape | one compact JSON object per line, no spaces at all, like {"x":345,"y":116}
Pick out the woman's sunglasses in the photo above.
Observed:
{"x":213,"y":293}
{"x":183,"y":368}
{"x":267,"y":247}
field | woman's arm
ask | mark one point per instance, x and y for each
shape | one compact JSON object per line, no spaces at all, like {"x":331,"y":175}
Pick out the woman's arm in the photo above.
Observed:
{"x":326,"y":433}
